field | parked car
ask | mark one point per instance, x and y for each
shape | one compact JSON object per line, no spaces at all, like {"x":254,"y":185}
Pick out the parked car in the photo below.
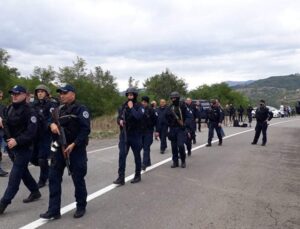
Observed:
{"x":276,"y":113}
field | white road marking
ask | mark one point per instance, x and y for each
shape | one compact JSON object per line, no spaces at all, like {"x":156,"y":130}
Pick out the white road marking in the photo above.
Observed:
{"x":70,"y":207}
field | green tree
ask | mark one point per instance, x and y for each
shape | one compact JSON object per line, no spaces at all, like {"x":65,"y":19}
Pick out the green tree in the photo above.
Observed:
{"x":160,"y":86}
{"x":221,"y":91}
{"x":45,"y":75}
{"x":75,"y":72}
{"x":133,"y":83}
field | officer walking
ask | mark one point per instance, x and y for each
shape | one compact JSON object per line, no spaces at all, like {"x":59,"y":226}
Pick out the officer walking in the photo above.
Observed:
{"x":192,"y":108}
{"x":262,"y":115}
{"x":147,"y":125}
{"x":42,"y":106}
{"x":215,"y":119}
{"x":20,"y":126}
{"x":177,"y":116}
{"x":162,"y":125}
{"x":129,"y":120}
{"x":75,"y":120}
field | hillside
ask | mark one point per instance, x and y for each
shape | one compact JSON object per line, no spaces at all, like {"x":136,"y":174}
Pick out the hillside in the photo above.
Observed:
{"x":276,"y":90}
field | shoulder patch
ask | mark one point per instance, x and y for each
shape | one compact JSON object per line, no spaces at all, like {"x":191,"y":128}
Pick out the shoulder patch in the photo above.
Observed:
{"x":143,"y":110}
{"x":51,"y":109}
{"x":33,"y":119}
{"x":86,"y":114}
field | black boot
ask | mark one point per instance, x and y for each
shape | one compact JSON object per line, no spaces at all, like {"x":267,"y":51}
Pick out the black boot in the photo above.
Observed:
{"x":32,"y":197}
{"x":208,"y":145}
{"x":183,"y":165}
{"x":79,"y":213}
{"x":120,"y":181}
{"x":2,"y":207}
{"x":220,"y":142}
{"x":189,"y":153}
{"x":136,"y":179}
{"x":253,"y":143}
{"x":48,"y":215}
{"x":175,"y":164}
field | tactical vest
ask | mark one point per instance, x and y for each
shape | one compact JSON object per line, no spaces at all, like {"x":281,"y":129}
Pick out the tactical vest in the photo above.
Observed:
{"x":69,"y":121}
{"x":17,"y":119}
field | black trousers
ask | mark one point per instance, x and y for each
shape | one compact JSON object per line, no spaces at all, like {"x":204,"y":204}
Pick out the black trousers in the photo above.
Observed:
{"x":261,"y":127}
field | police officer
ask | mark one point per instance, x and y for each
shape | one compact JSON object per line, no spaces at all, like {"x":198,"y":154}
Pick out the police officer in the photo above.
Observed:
{"x":129,"y":119}
{"x":177,"y":116}
{"x":215,"y":119}
{"x":241,"y":113}
{"x":20,"y":130}
{"x":249,"y":114}
{"x":262,"y":115}
{"x":147,"y":125}
{"x":162,"y":125}
{"x":43,"y":107}
{"x":192,"y":108}
{"x":75,"y":120}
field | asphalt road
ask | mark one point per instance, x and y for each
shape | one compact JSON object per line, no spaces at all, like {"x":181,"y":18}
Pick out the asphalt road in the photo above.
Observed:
{"x":237,"y":185}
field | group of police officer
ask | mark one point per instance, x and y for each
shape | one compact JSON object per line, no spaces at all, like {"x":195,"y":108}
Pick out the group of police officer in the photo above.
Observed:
{"x":30,"y":129}
{"x":64,"y":139}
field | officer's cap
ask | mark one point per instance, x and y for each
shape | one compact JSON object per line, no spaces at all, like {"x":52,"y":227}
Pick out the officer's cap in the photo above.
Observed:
{"x":66,"y":88}
{"x":146,"y":99}
{"x":17,"y":90}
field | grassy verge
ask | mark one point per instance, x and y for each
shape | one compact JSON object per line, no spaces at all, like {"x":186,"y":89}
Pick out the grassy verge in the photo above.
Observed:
{"x":104,"y":127}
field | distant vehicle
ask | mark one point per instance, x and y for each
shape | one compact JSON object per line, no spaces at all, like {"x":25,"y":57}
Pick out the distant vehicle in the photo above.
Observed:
{"x":276,"y":113}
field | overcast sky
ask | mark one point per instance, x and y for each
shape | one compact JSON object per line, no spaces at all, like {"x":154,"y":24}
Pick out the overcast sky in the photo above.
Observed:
{"x":200,"y":41}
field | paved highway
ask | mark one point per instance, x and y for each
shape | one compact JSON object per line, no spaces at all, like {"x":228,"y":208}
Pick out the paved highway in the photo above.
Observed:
{"x":237,"y":185}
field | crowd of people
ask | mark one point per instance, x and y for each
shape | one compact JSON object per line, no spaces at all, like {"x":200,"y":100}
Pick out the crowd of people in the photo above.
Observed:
{"x":44,"y":130}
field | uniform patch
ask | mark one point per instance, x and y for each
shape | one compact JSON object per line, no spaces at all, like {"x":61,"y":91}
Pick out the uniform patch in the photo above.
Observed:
{"x":143,"y":110}
{"x":86,"y":114}
{"x":33,"y":119}
{"x":51,"y":109}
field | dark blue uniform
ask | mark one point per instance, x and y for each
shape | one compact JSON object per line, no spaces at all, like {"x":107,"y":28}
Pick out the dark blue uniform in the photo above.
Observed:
{"x":75,"y":120}
{"x":130,"y":137}
{"x":43,"y":140}
{"x":215,"y":116}
{"x":147,"y":126}
{"x":262,"y":115}
{"x":21,"y":122}
{"x":190,"y":130}
{"x":177,"y":132}
{"x":195,"y":113}
{"x":162,"y":127}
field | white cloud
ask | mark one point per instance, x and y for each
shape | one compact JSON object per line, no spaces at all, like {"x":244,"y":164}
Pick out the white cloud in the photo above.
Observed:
{"x":201,"y":41}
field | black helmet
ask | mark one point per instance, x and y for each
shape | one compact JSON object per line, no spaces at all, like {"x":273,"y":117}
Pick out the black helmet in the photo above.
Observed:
{"x":174,"y":94}
{"x":132,"y":90}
